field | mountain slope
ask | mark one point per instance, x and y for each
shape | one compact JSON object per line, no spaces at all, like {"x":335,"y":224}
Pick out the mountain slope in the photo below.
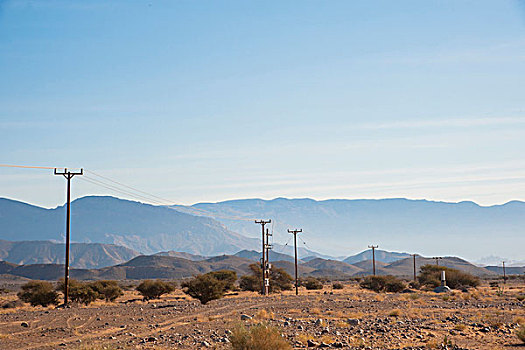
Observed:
{"x":82,"y":255}
{"x":141,"y":227}
{"x":380,"y":255}
{"x":339,"y":227}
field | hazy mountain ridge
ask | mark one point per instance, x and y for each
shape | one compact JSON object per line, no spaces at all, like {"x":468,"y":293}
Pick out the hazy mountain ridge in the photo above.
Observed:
{"x":141,"y":227}
{"x":340,"y":226}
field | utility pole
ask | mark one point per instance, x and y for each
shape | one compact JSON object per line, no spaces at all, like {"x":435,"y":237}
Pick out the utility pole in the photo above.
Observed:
{"x":265,"y":280}
{"x":504,"y":274}
{"x":437,"y":258}
{"x":68,"y":175}
{"x":295,"y":232}
{"x":373,"y":257}
{"x":267,"y":266}
{"x":414,"y":258}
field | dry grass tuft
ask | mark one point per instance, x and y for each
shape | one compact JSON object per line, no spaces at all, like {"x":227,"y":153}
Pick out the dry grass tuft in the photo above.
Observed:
{"x":395,"y":313}
{"x":460,"y":327}
{"x":264,"y":315}
{"x":259,"y":337}
{"x":520,"y":333}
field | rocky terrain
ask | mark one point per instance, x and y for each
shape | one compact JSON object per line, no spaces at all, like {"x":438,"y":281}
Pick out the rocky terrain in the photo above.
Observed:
{"x":352,"y":318}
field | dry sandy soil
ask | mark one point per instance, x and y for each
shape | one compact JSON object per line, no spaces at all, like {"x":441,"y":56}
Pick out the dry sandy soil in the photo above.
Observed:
{"x":348,"y":318}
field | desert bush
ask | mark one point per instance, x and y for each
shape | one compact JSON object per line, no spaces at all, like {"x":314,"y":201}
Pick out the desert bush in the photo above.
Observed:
{"x":38,"y":293}
{"x":250,"y":283}
{"x":79,"y":292}
{"x":154,"y":289}
{"x":227,"y":276}
{"x":431,"y":276}
{"x":108,"y":290}
{"x":312,"y":283}
{"x":520,"y":333}
{"x":383,"y":284}
{"x":338,"y":285}
{"x":279,"y":280}
{"x":205,"y":288}
{"x":258,"y":337}
{"x":520,"y":297}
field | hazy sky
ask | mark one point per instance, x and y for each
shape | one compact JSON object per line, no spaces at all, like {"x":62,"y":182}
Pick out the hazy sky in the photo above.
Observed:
{"x":214,"y":100}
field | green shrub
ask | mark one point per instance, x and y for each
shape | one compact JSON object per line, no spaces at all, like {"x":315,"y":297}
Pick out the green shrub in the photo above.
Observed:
{"x":79,"y":292}
{"x":108,"y":290}
{"x":38,"y":293}
{"x":279,"y":280}
{"x":382,"y":284}
{"x":227,"y":276}
{"x":205,"y":288}
{"x":520,"y":333}
{"x":258,"y":337}
{"x":154,"y":289}
{"x":338,"y":285}
{"x":431,"y":276}
{"x":250,"y":283}
{"x":312,"y":283}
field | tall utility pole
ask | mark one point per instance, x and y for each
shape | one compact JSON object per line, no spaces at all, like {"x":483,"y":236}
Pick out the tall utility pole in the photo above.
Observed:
{"x":504,"y":274}
{"x":295,"y":232}
{"x":267,"y":266}
{"x":265,"y":281}
{"x":437,"y":258}
{"x":68,"y":175}
{"x":373,"y":257}
{"x":414,"y":258}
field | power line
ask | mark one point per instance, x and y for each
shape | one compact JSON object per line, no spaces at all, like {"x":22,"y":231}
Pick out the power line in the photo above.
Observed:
{"x":27,"y":166}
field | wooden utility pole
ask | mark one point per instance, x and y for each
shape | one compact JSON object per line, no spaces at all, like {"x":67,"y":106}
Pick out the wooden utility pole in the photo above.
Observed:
{"x":504,"y":274}
{"x":414,"y":258}
{"x":437,"y":258}
{"x":265,"y":281}
{"x":295,"y":232}
{"x":373,"y":257}
{"x":68,"y":175}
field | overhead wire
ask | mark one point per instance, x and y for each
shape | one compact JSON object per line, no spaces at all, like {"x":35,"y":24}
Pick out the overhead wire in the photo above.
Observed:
{"x":136,"y":193}
{"x":26,"y":166}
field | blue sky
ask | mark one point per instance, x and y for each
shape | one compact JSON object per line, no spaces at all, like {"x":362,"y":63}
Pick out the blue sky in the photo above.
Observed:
{"x":214,"y":100}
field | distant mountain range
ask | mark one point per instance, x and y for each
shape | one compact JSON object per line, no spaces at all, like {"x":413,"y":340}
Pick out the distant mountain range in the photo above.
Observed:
{"x":344,"y":227}
{"x":335,"y":227}
{"x":141,"y":227}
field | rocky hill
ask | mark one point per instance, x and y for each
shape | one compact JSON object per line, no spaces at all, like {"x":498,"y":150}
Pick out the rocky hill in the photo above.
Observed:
{"x":82,"y":255}
{"x":141,"y":227}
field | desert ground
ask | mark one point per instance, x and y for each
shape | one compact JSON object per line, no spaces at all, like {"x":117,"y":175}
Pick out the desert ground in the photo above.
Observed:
{"x":482,"y":318}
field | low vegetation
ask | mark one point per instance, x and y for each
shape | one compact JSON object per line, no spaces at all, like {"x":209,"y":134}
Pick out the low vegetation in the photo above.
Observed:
{"x":279,"y":280}
{"x":312,"y":283}
{"x":520,"y":333}
{"x":258,"y":337}
{"x":38,"y":293}
{"x":430,"y":276}
{"x":337,"y":285}
{"x":154,"y":289}
{"x":108,"y":290}
{"x":383,"y":284}
{"x":79,"y":292}
{"x":209,"y":286}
